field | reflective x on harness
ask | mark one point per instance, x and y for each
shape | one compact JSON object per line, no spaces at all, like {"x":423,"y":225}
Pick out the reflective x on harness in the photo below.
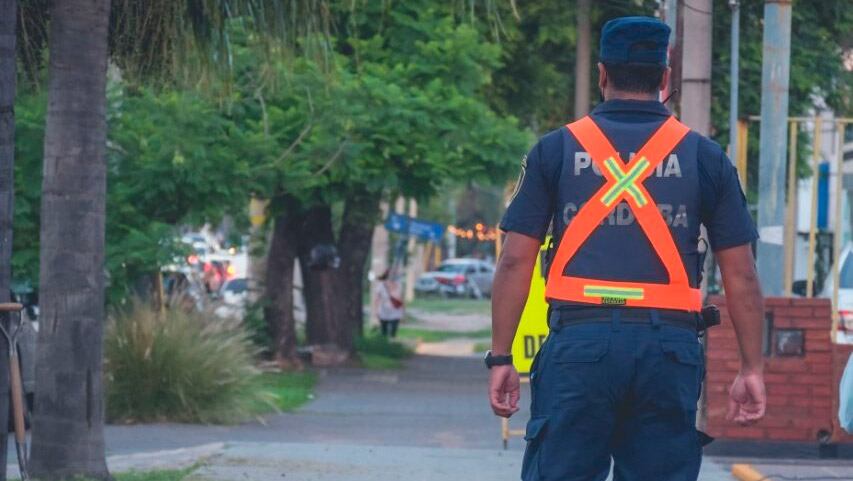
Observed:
{"x":624,"y":182}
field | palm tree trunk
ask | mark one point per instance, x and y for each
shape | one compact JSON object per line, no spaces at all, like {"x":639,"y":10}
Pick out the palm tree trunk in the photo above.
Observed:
{"x":68,"y":423}
{"x":8,"y":74}
{"x":278,"y":310}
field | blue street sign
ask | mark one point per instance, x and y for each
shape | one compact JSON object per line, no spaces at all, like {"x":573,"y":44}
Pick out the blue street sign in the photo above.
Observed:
{"x":397,"y":223}
{"x":403,"y":224}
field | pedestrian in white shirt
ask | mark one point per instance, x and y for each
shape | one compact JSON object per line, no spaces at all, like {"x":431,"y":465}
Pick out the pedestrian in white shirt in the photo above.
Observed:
{"x":389,"y":304}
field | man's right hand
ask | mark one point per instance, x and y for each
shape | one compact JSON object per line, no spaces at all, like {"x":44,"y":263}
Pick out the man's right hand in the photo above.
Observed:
{"x":504,"y":388}
{"x":747,"y":399}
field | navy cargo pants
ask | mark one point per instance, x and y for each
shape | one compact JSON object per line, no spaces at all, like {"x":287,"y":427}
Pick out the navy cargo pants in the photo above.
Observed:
{"x":620,"y":390}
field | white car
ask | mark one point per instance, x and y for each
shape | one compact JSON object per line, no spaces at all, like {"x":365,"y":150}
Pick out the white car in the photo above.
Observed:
{"x":235,"y":294}
{"x":461,"y":277}
{"x":235,"y":291}
{"x":845,"y":295}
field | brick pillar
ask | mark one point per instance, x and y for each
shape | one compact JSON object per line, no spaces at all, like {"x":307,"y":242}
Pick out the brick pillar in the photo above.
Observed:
{"x":802,"y":391}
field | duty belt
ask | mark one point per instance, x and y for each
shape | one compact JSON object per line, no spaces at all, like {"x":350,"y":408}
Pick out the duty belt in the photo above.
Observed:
{"x":565,"y":316}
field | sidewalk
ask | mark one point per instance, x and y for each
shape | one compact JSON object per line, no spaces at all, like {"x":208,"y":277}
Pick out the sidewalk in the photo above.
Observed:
{"x":796,"y":469}
{"x":428,"y":421}
{"x":315,"y":462}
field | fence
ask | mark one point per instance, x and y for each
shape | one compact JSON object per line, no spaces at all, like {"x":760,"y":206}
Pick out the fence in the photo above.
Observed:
{"x":816,"y":126}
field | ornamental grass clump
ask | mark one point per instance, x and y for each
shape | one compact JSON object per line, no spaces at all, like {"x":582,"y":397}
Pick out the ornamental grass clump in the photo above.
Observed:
{"x":178,"y":366}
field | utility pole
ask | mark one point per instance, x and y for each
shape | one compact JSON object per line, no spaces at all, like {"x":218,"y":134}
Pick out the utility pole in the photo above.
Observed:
{"x":582,"y":59}
{"x":413,"y":257}
{"x":775,"y":74}
{"x":734,"y":79}
{"x":696,"y":64}
{"x":669,"y":12}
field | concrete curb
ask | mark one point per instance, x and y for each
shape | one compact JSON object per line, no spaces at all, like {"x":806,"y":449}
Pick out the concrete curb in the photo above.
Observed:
{"x":160,"y":460}
{"x":745,"y":472}
{"x":149,"y":461}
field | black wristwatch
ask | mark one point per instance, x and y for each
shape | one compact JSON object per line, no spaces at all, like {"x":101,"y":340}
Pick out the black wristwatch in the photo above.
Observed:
{"x":492,"y":360}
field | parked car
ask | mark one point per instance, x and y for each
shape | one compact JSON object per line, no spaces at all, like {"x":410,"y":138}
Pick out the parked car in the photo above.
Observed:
{"x":845,"y":294}
{"x":461,"y":277}
{"x":234,"y":296}
{"x":235,"y":291}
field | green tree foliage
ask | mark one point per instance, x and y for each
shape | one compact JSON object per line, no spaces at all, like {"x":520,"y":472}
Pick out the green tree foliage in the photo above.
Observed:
{"x":174,"y":159}
{"x":403,"y":113}
{"x":536,"y":81}
{"x":29,"y":144}
{"x":398,"y":108}
{"x":407,"y":115}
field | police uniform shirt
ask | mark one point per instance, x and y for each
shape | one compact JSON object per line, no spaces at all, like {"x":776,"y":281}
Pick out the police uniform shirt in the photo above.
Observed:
{"x":695,"y":184}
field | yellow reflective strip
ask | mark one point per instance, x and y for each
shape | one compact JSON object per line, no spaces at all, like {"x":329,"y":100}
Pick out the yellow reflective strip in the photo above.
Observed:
{"x":620,"y":292}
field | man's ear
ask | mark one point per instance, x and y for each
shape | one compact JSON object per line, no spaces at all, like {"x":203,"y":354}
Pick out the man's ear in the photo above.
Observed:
{"x":664,"y":81}
{"x":602,"y":77}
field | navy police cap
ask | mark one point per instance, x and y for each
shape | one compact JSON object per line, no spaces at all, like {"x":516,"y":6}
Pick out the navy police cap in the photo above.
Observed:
{"x":634,"y":40}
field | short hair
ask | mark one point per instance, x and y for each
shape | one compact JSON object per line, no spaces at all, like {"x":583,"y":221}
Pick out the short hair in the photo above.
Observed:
{"x":635,"y":77}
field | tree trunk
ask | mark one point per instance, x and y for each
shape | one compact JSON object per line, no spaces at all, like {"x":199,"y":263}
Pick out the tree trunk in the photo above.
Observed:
{"x":68,"y":423}
{"x":278,"y":305}
{"x":360,"y":215}
{"x":321,"y":298}
{"x":8,"y":74}
{"x":583,"y":74}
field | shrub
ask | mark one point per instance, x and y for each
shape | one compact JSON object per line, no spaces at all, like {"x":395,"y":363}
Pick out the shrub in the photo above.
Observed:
{"x":178,"y":366}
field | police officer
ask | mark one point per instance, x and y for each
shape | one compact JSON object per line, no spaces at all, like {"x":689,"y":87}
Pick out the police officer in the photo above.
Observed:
{"x":624,"y":191}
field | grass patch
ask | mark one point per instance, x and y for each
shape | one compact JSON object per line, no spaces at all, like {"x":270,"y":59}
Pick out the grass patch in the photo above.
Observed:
{"x":376,"y":361}
{"x":167,"y":475}
{"x":378,"y":352}
{"x":452,"y":306}
{"x":482,"y":347}
{"x":284,"y":391}
{"x":426,"y":335}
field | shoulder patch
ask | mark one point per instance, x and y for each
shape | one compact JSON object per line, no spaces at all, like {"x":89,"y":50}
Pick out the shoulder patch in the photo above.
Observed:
{"x":520,"y":178}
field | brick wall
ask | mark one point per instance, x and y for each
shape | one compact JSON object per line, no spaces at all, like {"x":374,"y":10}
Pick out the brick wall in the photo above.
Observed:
{"x":802,"y":391}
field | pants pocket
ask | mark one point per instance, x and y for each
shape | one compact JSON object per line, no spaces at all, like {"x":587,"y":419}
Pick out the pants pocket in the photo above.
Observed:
{"x":683,"y":365}
{"x":536,"y":429}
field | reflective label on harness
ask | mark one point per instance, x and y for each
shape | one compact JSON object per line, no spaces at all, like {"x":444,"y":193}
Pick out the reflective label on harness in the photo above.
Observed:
{"x":610,"y":294}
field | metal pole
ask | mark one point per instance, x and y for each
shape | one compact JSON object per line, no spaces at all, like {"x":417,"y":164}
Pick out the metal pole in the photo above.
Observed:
{"x":839,"y":225}
{"x":734,"y":80}
{"x":813,"y":218}
{"x":670,"y":16}
{"x":583,"y":61}
{"x":791,"y":213}
{"x":774,"y":126}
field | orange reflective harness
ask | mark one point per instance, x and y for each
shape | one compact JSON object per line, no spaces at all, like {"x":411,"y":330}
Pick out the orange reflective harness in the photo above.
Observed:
{"x":624,"y":182}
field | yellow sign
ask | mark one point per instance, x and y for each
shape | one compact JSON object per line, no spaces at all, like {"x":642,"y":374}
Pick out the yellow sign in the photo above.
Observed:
{"x":533,"y":328}
{"x":257,"y":211}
